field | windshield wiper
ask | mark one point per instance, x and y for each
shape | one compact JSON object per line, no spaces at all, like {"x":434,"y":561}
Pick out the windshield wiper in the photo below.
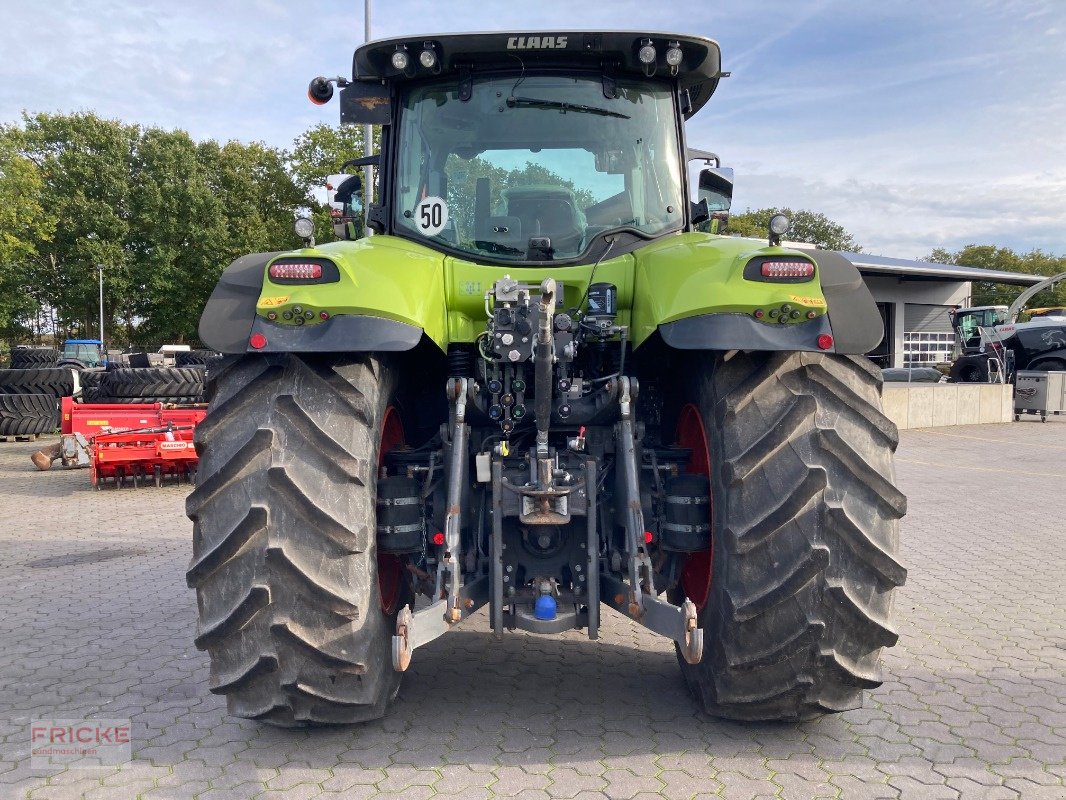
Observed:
{"x":533,"y":102}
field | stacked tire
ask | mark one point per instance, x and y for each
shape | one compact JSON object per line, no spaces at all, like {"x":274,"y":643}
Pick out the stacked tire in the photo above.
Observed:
{"x":90,"y":384}
{"x":30,"y":357}
{"x":29,"y":397}
{"x":197,"y":358}
{"x":182,"y":385}
{"x":28,"y":414}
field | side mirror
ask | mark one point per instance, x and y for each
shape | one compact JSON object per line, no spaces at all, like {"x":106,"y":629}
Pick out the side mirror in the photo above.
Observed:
{"x":716,"y":188}
{"x":344,"y":194}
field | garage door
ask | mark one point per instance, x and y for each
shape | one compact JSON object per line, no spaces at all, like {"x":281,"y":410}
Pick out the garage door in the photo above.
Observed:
{"x":919,"y":317}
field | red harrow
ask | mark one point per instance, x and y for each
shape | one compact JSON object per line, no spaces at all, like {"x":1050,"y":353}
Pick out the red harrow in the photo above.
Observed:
{"x":134,"y":442}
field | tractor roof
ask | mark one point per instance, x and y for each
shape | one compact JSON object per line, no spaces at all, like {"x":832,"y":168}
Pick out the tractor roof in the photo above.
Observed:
{"x":615,"y":52}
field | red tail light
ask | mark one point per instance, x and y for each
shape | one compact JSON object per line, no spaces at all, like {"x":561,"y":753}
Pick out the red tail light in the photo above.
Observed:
{"x":787,"y":269}
{"x":296,"y":271}
{"x":825,"y":342}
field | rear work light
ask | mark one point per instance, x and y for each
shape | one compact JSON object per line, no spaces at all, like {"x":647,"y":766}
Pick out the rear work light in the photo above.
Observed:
{"x":296,"y":271}
{"x":787,"y":269}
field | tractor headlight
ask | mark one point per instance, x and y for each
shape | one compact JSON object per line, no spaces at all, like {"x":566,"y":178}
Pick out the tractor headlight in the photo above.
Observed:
{"x":428,"y":58}
{"x":779,"y":224}
{"x":400,"y":59}
{"x":647,"y":54}
{"x":674,"y":54}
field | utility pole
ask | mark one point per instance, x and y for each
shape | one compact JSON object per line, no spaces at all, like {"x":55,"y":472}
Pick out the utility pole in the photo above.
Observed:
{"x":100,"y":269}
{"x":368,"y":137}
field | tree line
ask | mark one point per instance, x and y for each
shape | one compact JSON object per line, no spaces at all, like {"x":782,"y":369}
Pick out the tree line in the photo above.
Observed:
{"x":164,"y":214}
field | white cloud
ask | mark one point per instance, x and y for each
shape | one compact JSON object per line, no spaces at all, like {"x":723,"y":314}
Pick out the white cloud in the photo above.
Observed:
{"x":914,"y":124}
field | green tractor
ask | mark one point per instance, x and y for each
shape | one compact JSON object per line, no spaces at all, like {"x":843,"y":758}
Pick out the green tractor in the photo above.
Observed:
{"x":537,"y":387}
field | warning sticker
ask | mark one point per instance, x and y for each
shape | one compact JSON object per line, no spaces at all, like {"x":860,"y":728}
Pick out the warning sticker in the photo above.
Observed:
{"x":270,"y":302}
{"x":818,"y":302}
{"x":431,"y":216}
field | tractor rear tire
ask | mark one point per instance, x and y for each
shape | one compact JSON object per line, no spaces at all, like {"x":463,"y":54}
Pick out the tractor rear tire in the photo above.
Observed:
{"x":28,"y":414}
{"x":1048,"y":365}
{"x":284,"y":554}
{"x":805,"y":518}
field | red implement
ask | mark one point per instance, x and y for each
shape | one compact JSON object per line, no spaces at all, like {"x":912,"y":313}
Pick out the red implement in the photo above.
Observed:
{"x":135,"y":441}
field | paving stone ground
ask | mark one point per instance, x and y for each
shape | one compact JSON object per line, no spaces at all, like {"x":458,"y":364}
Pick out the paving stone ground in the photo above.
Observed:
{"x":96,"y":622}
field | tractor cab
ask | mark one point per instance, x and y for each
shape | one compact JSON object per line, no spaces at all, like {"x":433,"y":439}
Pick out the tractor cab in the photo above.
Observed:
{"x":974,"y":327}
{"x":83,"y":353}
{"x":518,"y":149}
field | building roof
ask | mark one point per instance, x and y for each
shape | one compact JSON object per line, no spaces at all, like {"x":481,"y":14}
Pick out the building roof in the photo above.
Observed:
{"x":927,"y":270}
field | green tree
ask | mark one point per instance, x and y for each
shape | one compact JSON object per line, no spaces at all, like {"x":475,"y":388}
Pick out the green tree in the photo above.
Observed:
{"x":23,"y":224}
{"x":198,"y":207}
{"x":162,"y":213}
{"x":177,"y":229}
{"x":987,"y":256}
{"x":807,"y":226}
{"x":83,"y":161}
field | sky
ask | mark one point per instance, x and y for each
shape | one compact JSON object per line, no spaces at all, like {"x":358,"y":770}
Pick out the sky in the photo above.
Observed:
{"x":915,"y":125}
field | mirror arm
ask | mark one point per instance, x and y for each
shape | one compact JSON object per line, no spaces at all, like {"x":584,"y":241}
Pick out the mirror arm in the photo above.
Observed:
{"x":365,"y":161}
{"x":376,"y":218}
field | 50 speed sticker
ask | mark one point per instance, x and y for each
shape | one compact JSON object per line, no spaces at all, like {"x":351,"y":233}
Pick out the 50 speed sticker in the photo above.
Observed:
{"x":431,"y":216}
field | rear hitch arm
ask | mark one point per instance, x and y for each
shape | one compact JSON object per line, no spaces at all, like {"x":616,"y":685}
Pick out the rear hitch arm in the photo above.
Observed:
{"x":458,"y":601}
{"x":637,"y":598}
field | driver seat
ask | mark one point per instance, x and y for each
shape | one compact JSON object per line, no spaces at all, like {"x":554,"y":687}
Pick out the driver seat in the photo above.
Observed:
{"x":548,"y":211}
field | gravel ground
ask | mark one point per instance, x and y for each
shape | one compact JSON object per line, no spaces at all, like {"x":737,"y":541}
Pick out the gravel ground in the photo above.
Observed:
{"x":96,"y":622}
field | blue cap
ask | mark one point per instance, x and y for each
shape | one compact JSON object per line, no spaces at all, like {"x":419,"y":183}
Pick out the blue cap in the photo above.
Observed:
{"x":544,"y":608}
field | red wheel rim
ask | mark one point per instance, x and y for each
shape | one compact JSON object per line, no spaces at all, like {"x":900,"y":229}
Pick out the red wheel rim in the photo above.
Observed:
{"x":697,"y":570}
{"x":390,"y":567}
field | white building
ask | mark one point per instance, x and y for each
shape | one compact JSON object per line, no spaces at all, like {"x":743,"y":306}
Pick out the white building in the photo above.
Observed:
{"x":914,"y":298}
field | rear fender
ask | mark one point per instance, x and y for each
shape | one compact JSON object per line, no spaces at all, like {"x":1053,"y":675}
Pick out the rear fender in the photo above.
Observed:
{"x":226,"y":322}
{"x":698,"y":292}
{"x":853,"y":314}
{"x":379,"y":294}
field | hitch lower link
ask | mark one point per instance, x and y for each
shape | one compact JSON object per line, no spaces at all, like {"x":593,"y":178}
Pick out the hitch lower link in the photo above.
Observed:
{"x":637,"y":599}
{"x":457,"y":602}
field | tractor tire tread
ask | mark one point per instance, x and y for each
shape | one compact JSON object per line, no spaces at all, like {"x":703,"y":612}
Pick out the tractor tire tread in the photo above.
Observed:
{"x":807,"y":513}
{"x":283,"y":559}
